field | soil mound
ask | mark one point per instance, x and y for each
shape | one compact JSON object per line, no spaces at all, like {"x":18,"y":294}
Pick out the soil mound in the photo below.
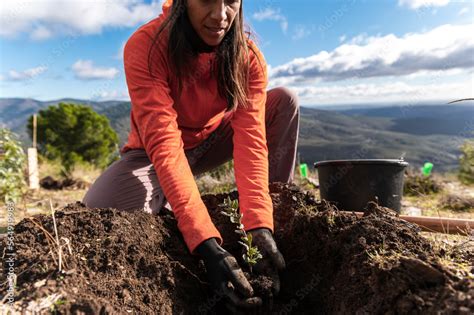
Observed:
{"x":50,"y":183}
{"x":133,"y":262}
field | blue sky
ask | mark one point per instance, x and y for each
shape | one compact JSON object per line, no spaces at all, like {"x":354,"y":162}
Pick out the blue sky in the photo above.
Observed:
{"x":328,"y":51}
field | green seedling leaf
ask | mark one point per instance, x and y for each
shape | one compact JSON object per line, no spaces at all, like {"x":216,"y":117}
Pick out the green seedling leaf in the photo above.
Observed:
{"x":231,"y":210}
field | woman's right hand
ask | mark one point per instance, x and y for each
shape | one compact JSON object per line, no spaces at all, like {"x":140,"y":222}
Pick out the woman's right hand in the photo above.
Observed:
{"x":226,"y":277}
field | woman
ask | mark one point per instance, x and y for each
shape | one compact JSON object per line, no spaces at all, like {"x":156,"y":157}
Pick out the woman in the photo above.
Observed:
{"x":198,"y":91}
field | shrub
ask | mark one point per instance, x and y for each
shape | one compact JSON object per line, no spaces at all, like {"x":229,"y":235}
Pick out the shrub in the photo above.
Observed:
{"x":73,"y":134}
{"x":416,"y":184}
{"x":466,"y":163}
{"x":457,"y":203}
{"x":12,"y":167}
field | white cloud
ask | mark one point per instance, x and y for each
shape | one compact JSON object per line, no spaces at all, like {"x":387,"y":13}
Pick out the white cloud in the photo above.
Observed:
{"x":342,"y":38}
{"x":443,"y":48}
{"x":400,"y":91}
{"x":111,"y":95}
{"x":119,"y":54}
{"x":27,"y":74}
{"x":41,"y":33}
{"x":416,"y":4}
{"x":359,"y":39}
{"x":464,"y":11}
{"x":43,"y":19}
{"x":85,"y":70}
{"x":272,"y":15}
{"x":300,"y":32}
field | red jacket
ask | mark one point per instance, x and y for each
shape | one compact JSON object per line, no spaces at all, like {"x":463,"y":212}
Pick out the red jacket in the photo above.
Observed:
{"x":165,"y":126}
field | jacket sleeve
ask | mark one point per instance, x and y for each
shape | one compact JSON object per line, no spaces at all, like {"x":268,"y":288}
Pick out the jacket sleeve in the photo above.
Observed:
{"x":250,"y":150}
{"x":156,"y":121}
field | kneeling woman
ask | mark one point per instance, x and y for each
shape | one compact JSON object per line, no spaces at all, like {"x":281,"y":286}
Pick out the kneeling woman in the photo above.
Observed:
{"x":197,"y":85}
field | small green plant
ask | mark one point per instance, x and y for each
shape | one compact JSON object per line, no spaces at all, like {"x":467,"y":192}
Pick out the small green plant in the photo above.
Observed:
{"x":252,"y":254}
{"x":331,"y":219}
{"x":12,"y":167}
{"x":54,"y":308}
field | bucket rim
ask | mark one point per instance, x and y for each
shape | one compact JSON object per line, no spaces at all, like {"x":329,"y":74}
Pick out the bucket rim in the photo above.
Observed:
{"x":392,"y":162}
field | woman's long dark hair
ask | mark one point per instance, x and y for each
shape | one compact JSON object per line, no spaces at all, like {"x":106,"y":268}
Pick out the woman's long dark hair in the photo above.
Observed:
{"x":231,"y":55}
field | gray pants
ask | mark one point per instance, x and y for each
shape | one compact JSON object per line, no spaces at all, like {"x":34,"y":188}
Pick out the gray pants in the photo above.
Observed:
{"x":132,"y":183}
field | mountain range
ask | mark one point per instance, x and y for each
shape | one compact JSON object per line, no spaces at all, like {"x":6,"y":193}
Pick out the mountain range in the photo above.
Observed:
{"x":417,"y":133}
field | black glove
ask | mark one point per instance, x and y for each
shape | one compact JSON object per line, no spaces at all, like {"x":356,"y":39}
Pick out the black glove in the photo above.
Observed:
{"x":272,"y":261}
{"x":225,"y":275}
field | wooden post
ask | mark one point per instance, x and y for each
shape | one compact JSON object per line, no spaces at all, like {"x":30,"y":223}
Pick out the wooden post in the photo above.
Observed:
{"x":33,"y":176}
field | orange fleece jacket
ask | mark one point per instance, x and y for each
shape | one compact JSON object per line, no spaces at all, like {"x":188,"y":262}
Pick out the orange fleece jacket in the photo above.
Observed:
{"x":164,"y":126}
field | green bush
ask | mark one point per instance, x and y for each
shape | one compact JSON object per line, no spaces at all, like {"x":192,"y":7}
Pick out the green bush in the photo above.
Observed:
{"x":12,"y":167}
{"x":75,"y":133}
{"x":466,"y":163}
{"x":416,"y":184}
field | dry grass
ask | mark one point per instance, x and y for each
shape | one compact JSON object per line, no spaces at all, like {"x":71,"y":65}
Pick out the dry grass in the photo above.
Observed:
{"x":210,"y":185}
{"x":416,"y":184}
{"x":457,"y":203}
{"x":455,"y":252}
{"x":37,"y":201}
{"x":436,"y":205}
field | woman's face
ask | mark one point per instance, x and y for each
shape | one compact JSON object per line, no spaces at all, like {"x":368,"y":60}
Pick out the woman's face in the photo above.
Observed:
{"x":212,"y":19}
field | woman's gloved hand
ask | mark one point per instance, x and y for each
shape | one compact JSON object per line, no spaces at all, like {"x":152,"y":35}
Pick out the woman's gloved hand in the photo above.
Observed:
{"x":225,"y":275}
{"x":272,"y":262}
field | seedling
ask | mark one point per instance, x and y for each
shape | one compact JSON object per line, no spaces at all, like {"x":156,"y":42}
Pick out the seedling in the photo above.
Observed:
{"x":54,"y":308}
{"x":331,"y":219}
{"x":252,"y":254}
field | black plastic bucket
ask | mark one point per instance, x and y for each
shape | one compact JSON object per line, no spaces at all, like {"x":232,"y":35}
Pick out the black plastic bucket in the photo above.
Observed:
{"x":351,"y":184}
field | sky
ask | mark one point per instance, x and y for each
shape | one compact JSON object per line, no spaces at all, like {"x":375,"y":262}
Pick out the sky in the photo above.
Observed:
{"x":328,"y":51}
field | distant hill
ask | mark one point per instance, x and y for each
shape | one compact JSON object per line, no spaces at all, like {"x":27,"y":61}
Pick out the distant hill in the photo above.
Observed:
{"x":14,"y":112}
{"x":453,"y":120}
{"x":328,"y":135}
{"x":419,"y":134}
{"x":119,"y":117}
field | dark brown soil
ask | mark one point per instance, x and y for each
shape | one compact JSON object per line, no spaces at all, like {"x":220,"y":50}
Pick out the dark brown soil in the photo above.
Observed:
{"x":136,"y":263}
{"x":50,"y":183}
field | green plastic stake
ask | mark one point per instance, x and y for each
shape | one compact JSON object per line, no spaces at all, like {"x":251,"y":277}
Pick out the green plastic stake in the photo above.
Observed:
{"x":304,"y":170}
{"x":427,"y":168}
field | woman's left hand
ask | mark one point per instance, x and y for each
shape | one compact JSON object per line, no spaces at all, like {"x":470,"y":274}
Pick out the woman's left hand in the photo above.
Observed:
{"x":272,"y":262}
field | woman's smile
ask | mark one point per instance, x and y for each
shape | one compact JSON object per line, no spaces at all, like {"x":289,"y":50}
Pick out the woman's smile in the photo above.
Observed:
{"x":215,"y":31}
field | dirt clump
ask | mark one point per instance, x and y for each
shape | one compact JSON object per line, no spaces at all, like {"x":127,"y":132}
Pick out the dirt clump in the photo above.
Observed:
{"x":134,"y":262}
{"x":50,"y":183}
